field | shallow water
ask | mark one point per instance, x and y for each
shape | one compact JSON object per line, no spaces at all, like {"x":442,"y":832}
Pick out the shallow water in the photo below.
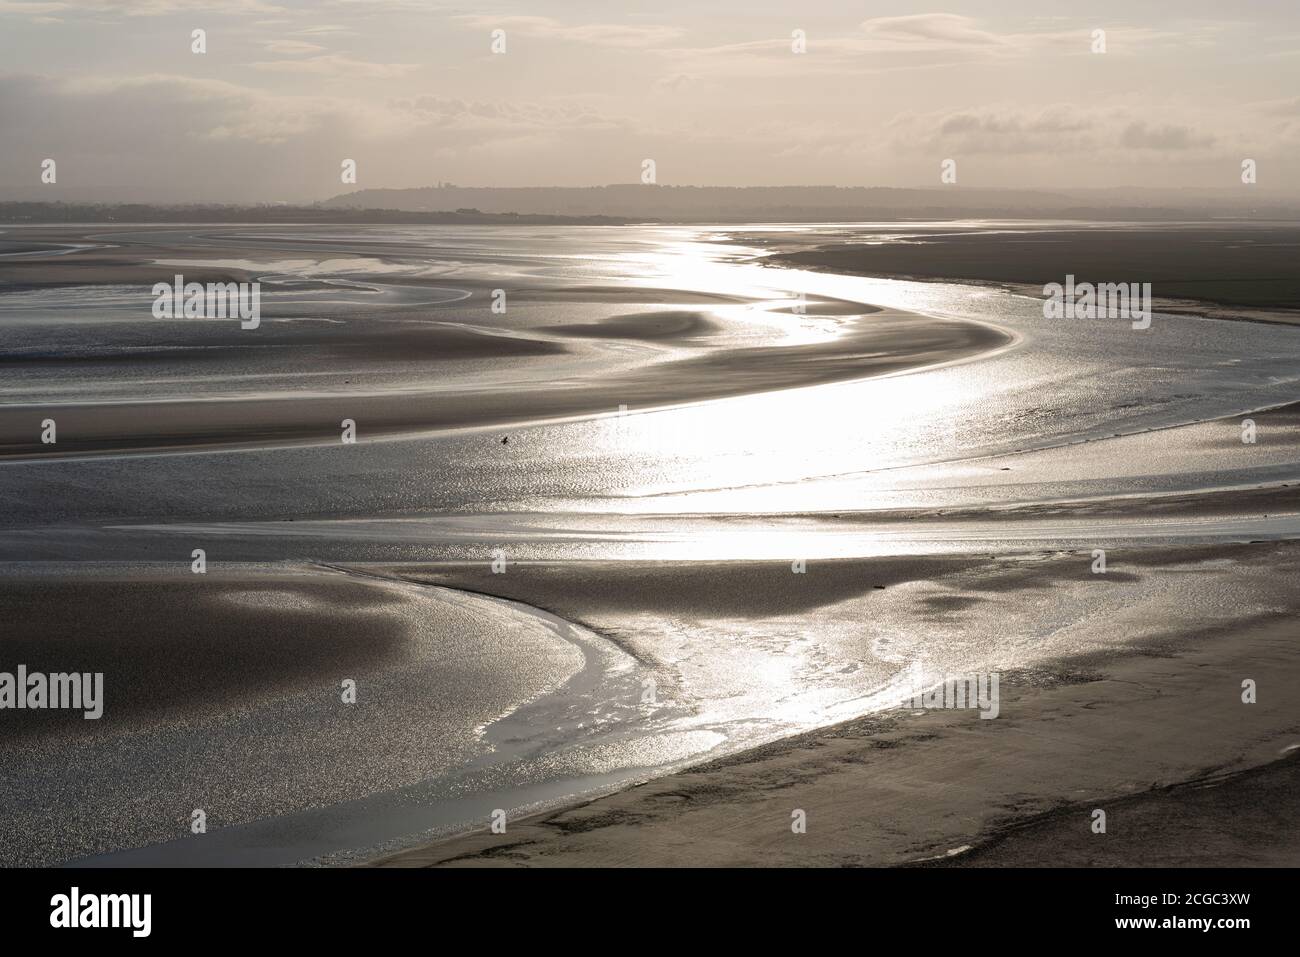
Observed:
{"x":729,"y":480}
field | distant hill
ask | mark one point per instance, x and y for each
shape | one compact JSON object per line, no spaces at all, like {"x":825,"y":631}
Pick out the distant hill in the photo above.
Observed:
{"x":621,"y":204}
{"x":145,"y":213}
{"x":828,"y":203}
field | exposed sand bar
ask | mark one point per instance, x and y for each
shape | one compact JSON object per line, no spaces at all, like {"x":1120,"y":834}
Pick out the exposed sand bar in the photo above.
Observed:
{"x":1232,"y":270}
{"x":1111,"y":730}
{"x":878,"y":344}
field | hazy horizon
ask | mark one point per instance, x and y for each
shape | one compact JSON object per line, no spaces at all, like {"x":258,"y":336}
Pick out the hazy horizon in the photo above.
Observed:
{"x":582,"y":95}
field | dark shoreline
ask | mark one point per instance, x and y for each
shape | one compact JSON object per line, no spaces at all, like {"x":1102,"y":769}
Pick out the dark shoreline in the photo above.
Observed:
{"x":1180,"y":262}
{"x":1237,"y":812}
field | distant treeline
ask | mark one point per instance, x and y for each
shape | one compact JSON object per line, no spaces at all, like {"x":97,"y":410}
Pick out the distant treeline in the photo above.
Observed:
{"x":148,"y":213}
{"x":616,"y":206}
{"x":834,"y":204}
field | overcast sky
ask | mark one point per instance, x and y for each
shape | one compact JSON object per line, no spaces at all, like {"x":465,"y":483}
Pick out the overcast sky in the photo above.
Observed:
{"x":711,"y":91}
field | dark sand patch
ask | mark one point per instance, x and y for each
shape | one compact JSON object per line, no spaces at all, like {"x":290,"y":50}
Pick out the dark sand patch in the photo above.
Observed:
{"x":109,"y":264}
{"x":1238,"y":503}
{"x":620,"y":295}
{"x":1238,"y":819}
{"x":275,"y":347}
{"x":193,"y":644}
{"x":816,"y":306}
{"x":641,"y":326}
{"x":580,"y":591}
{"x":1254,"y":267}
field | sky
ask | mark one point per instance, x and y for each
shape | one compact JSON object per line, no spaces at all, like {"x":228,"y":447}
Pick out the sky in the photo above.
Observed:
{"x":714,"y":93}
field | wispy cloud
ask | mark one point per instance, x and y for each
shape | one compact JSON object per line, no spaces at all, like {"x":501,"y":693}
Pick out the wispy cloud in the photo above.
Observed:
{"x":291,"y":47}
{"x":601,"y":34}
{"x":931,"y":31}
{"x":450,"y":113}
{"x":925,"y":40}
{"x":199,"y":108}
{"x":337,"y":66}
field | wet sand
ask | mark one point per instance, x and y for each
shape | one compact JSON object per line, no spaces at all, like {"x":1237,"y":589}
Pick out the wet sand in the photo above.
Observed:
{"x":1234,"y":819}
{"x":233,"y":678}
{"x":878,"y":345}
{"x":1117,"y":688}
{"x":1123,"y":730}
{"x":315,"y":362}
{"x":224,"y":692}
{"x":1233,"y":271}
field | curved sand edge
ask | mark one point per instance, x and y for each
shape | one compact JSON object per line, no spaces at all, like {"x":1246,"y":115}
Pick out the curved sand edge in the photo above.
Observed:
{"x":904,"y":787}
{"x":879,"y":344}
